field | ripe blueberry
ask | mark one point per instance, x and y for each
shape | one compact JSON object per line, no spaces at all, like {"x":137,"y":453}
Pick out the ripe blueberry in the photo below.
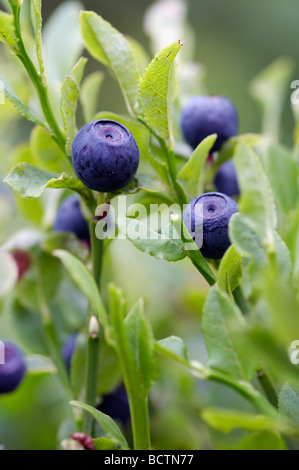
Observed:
{"x":105,"y":155}
{"x":70,"y":219}
{"x":206,"y":115}
{"x":23,"y":261}
{"x":68,"y":350}
{"x":226,"y":179}
{"x":217,"y":209}
{"x":13,"y":370}
{"x":116,"y":405}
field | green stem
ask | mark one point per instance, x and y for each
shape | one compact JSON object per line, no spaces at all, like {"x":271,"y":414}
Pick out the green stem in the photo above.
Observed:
{"x":268,"y":387}
{"x":93,"y":344}
{"x":91,"y":381}
{"x":38,"y":84}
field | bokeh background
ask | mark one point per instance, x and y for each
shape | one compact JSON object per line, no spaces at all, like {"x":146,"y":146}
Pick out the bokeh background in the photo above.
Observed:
{"x":233,"y":41}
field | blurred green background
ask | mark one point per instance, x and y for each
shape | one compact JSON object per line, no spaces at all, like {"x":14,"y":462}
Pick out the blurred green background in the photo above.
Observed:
{"x":233,"y":41}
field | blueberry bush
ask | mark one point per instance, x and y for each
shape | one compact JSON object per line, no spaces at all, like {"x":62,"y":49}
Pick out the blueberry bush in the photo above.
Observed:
{"x":207,"y":360}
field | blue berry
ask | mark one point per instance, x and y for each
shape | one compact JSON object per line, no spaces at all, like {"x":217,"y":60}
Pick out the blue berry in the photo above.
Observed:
{"x":70,"y":219}
{"x":206,"y":115}
{"x":68,"y":350}
{"x":116,"y":405}
{"x":13,"y":370}
{"x":105,"y":155}
{"x":217,"y":209}
{"x":226,"y":179}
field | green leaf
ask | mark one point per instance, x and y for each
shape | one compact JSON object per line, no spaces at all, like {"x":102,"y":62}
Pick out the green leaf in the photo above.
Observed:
{"x":230,"y":271}
{"x":262,"y":441}
{"x":140,"y":340}
{"x":102,"y":443}
{"x":189,"y":175}
{"x":289,"y":403}
{"x":36,"y":14}
{"x":270,"y":89}
{"x":7,"y":32}
{"x":19,"y":105}
{"x":69,"y":97}
{"x":174,"y":348}
{"x":62,"y":41}
{"x":227,"y":420}
{"x":150,"y":241}
{"x":155,"y":90}
{"x":46,"y":153}
{"x":282,"y":170}
{"x":108,"y":425}
{"x":257,"y":202}
{"x":39,"y":365}
{"x":86,"y":283}
{"x":90,"y":94}
{"x":30,"y":182}
{"x":112,"y":49}
{"x":224,"y":333}
{"x":229,"y":148}
{"x":142,"y":57}
{"x":142,"y":136}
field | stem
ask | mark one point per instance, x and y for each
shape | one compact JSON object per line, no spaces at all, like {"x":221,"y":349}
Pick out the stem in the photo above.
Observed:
{"x":93,"y":344}
{"x":170,"y":157}
{"x":93,"y":349}
{"x":38,"y":84}
{"x":268,"y":387}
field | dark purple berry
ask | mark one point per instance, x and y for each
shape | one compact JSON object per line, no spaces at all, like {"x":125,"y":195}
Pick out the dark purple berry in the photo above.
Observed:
{"x":116,"y":405}
{"x":13,"y":369}
{"x":226,"y":179}
{"x":217,"y":209}
{"x":206,"y":115}
{"x":68,"y":350}
{"x":105,"y":155}
{"x":70,"y":219}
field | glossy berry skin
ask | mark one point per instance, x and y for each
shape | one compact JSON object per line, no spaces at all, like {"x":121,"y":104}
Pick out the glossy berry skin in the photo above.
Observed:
{"x":226,"y":179}
{"x":70,"y":219}
{"x":217,"y":209}
{"x":116,"y":405}
{"x":205,"y":115}
{"x":105,"y":155}
{"x":13,"y":370}
{"x":68,"y":350}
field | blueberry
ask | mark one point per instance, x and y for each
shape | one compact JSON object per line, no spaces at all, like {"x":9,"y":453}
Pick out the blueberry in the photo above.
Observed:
{"x":217,"y":209}
{"x":23,"y":261}
{"x":13,"y":370}
{"x":116,"y":405}
{"x":105,"y":155}
{"x":70,"y":219}
{"x":68,"y":350}
{"x":206,"y":115}
{"x":226,"y":179}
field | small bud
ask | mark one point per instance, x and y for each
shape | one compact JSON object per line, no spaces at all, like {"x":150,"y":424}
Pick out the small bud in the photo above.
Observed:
{"x":94,"y":327}
{"x":84,"y":440}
